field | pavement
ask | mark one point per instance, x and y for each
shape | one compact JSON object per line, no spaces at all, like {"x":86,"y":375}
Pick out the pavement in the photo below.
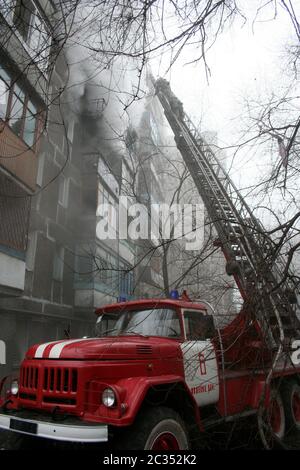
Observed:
{"x":218,"y":441}
{"x":3,"y":438}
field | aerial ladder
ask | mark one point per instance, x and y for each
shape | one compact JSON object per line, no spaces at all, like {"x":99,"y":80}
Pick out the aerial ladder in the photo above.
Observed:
{"x":251,"y":255}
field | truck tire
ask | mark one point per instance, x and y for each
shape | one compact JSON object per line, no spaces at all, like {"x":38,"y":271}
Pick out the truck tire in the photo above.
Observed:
{"x":277,"y":415}
{"x":156,"y":429}
{"x":291,"y":402}
{"x":272,"y":422}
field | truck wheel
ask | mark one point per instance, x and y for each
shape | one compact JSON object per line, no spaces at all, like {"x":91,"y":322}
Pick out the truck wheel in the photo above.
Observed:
{"x":277,"y":416}
{"x":156,"y":429}
{"x":291,"y":402}
{"x":271,"y":421}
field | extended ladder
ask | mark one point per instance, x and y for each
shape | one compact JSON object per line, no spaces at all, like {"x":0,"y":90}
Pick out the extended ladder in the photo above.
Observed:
{"x":249,"y":251}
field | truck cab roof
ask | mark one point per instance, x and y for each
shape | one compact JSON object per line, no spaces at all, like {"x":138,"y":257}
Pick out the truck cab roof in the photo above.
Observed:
{"x":151,"y":303}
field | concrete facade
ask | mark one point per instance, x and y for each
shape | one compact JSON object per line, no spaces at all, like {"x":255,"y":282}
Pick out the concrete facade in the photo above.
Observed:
{"x":41,"y":189}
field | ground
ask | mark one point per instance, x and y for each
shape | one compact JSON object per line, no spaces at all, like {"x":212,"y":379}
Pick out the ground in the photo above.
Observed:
{"x":2,"y":438}
{"x":239,"y":439}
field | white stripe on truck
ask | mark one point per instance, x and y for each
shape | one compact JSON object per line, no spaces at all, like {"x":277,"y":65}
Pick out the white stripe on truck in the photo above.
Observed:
{"x":57,"y":347}
{"x":41,"y":348}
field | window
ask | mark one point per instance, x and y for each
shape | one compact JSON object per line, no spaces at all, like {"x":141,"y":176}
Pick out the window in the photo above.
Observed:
{"x":154,"y":131}
{"x":17,"y":109}
{"x":32,"y":29}
{"x":105,"y":324}
{"x":106,"y":269}
{"x":104,"y":197}
{"x":103,"y":268}
{"x":29,"y":123}
{"x":70,"y":130}
{"x":198,"y":326}
{"x":150,"y":322}
{"x":58,"y":264}
{"x":63,"y":192}
{"x":4,"y":93}
{"x":106,"y":174}
{"x":85,"y":269}
{"x":31,"y":250}
{"x":23,"y":17}
{"x":125,"y":281}
{"x":40,"y":172}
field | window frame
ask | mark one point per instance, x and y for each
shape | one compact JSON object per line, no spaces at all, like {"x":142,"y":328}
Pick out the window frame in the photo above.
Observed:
{"x":127,"y":315}
{"x":17,"y":21}
{"x":126,"y":280}
{"x":58,"y":264}
{"x":204,"y":314}
{"x":63,"y":192}
{"x":7,"y":96}
{"x":29,"y":43}
{"x":12,"y":92}
{"x":105,"y":197}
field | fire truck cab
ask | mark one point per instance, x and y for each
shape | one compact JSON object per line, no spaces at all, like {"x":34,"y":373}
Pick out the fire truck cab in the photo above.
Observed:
{"x":148,"y":357}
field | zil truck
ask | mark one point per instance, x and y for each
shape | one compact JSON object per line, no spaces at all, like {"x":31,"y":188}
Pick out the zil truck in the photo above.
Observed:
{"x":160,"y":372}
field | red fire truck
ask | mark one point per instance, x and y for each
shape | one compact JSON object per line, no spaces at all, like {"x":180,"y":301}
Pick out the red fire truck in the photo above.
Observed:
{"x":159,"y":372}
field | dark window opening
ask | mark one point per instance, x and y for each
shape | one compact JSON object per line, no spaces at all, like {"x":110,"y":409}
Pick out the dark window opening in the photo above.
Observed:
{"x":22,"y":18}
{"x":198,"y":326}
{"x":17,"y":109}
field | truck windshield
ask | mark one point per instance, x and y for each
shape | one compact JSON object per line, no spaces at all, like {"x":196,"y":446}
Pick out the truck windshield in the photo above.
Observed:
{"x":150,"y":322}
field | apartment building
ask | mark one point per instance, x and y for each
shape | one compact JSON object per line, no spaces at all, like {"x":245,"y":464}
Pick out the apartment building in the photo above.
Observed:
{"x":22,"y":103}
{"x":25,"y":45}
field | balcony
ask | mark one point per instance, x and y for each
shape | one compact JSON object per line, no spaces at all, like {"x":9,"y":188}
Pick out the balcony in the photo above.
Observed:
{"x":17,"y":157}
{"x":12,"y":273}
{"x":14,"y":210}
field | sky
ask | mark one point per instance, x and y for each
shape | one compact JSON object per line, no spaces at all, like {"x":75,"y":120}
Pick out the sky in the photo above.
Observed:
{"x":246,"y":60}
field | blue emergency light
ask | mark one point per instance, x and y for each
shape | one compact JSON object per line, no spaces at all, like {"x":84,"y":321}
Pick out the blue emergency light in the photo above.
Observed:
{"x":174,"y":294}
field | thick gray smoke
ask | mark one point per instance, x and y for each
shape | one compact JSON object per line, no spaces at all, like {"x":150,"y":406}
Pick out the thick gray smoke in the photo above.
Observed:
{"x":102,"y":100}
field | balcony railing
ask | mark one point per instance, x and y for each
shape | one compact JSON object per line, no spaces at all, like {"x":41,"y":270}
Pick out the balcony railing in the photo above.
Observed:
{"x":14,"y":213}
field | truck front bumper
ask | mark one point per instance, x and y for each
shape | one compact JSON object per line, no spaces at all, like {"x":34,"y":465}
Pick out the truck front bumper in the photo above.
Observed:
{"x":71,"y":429}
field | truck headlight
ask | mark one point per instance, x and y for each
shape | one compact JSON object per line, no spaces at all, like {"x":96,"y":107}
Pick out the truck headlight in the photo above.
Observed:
{"x":108,"y":397}
{"x":14,"y":388}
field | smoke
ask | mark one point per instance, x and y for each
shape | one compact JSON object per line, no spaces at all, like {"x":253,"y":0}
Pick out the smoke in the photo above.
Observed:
{"x":105,"y":93}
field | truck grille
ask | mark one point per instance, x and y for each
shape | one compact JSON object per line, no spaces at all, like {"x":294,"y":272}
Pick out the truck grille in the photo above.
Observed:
{"x":29,"y":377}
{"x":52,"y":384}
{"x":58,"y":379}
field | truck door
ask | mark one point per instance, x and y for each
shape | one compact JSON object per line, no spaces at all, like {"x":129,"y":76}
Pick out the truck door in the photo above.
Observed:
{"x":200,"y":362}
